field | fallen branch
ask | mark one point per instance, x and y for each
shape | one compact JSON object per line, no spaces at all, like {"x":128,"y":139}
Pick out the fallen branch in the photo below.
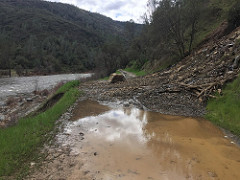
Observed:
{"x":205,"y":90}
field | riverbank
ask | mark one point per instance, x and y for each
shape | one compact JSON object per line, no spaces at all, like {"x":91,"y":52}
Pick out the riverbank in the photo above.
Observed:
{"x":21,"y":95}
{"x":20,"y":105}
{"x":20,"y":144}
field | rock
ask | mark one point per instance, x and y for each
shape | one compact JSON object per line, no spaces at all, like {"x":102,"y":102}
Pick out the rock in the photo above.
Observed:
{"x":219,"y":91}
{"x":21,"y":104}
{"x":32,"y":163}
{"x":2,"y":117}
{"x":114,"y":78}
{"x":2,"y":103}
{"x":212,"y":174}
{"x":29,"y":99}
{"x":13,"y":110}
{"x":44,"y":92}
{"x":236,"y":62}
{"x":230,"y":45}
{"x":81,"y":134}
{"x":126,"y":104}
{"x":204,"y":50}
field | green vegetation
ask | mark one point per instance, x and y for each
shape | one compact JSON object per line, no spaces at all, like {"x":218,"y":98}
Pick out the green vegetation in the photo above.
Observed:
{"x":234,"y":15}
{"x":51,"y":37}
{"x":215,"y":13}
{"x":137,"y":72}
{"x":19,"y":144}
{"x":176,"y":27}
{"x":224,"y":110}
{"x":66,"y":87}
{"x":238,"y":42}
{"x":105,"y":78}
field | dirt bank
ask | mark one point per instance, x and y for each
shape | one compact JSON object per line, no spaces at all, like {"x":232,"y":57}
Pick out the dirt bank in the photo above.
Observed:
{"x":21,"y":105}
{"x":182,"y":89}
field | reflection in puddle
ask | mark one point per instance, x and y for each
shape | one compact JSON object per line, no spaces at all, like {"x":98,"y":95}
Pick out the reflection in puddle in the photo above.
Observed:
{"x":115,"y":125}
{"x":134,"y":144}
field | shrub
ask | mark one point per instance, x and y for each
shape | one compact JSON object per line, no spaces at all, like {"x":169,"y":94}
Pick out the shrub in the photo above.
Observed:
{"x":234,"y":16}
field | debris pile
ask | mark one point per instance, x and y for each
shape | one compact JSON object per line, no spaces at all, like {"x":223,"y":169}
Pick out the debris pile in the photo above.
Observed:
{"x":184,"y":88}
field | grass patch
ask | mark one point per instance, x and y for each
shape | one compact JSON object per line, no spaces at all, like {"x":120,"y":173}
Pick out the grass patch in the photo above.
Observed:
{"x":225,"y":110}
{"x":105,"y":78}
{"x":19,"y":144}
{"x":237,"y":42}
{"x":68,"y":86}
{"x":137,"y":72}
{"x":216,"y":12}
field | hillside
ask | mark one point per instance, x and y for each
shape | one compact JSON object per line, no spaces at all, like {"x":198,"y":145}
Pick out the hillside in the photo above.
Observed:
{"x":53,"y":37}
{"x":174,"y":31}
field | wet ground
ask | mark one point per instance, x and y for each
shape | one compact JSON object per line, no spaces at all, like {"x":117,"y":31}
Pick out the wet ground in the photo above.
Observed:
{"x":107,"y":143}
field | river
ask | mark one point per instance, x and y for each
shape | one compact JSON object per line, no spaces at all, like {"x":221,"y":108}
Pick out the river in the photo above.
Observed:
{"x":20,"y":85}
{"x":126,"y":143}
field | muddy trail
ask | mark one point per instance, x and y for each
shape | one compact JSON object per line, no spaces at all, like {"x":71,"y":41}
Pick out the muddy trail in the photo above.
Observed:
{"x":108,"y":142}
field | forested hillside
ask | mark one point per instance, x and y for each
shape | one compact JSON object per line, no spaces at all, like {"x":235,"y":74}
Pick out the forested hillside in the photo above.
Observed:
{"x":176,"y":27}
{"x":54,"y":37}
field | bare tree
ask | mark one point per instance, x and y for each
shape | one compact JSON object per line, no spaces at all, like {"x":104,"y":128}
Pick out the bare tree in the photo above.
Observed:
{"x":174,"y":22}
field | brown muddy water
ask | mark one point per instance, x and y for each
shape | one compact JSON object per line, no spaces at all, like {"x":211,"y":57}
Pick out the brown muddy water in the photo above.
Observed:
{"x":132,"y":144}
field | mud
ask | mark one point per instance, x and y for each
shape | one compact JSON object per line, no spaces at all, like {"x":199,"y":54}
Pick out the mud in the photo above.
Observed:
{"x":102,"y":143}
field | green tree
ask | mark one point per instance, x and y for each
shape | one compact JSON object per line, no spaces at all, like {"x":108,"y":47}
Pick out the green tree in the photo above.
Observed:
{"x":234,"y":16}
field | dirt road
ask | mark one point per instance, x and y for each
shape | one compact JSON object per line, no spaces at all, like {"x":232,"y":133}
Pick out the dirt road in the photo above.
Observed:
{"x":115,"y":142}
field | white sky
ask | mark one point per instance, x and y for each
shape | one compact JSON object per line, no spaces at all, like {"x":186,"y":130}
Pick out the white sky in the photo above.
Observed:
{"x":121,"y":10}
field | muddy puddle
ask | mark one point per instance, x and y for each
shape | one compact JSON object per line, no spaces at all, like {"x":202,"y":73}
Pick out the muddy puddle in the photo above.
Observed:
{"x":131,"y":144}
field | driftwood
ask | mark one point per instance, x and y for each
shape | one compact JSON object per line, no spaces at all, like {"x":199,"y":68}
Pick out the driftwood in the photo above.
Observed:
{"x":205,"y":90}
{"x":200,"y":91}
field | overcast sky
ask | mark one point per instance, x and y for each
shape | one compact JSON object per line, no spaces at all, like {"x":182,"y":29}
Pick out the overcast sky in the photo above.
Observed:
{"x":122,"y":10}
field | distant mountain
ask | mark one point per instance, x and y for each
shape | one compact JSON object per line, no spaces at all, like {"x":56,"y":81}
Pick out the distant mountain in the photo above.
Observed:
{"x":53,"y":37}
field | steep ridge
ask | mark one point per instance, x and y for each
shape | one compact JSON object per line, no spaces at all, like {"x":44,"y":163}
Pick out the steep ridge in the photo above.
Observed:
{"x":184,"y":88}
{"x":46,"y":13}
{"x":53,"y":37}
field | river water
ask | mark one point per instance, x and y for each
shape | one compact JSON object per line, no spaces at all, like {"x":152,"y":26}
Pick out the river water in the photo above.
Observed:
{"x":19,"y":85}
{"x":113,"y":143}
